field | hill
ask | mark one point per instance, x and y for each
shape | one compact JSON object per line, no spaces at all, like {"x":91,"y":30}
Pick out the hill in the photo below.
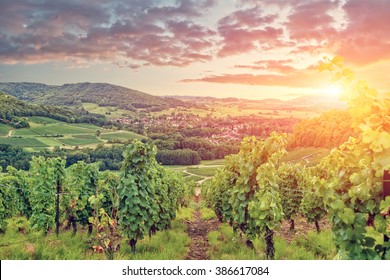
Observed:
{"x":12,"y":110}
{"x":102,"y":94}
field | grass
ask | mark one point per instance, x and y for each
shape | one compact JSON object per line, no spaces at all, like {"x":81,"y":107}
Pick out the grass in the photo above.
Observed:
{"x":194,"y":178}
{"x":49,"y":141}
{"x":185,"y":214}
{"x":63,"y":129}
{"x":76,"y":141}
{"x":206,"y":169}
{"x":226,"y":244}
{"x":165,"y":245}
{"x":19,"y":242}
{"x":321,"y":245}
{"x":202,"y":171}
{"x":43,"y":120}
{"x":4,"y":129}
{"x":213,"y":162}
{"x":207,"y":214}
{"x":25,"y":132}
{"x":22,"y":142}
{"x":110,"y":112}
{"x":32,"y":245}
{"x":121,"y":135}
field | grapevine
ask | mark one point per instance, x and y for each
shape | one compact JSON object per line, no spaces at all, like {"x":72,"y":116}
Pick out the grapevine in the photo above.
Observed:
{"x":137,"y":213}
{"x":351,"y":181}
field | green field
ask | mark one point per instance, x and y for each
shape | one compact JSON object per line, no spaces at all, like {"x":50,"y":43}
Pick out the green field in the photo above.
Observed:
{"x":22,"y":142}
{"x":121,"y":135}
{"x":45,"y":132}
{"x":110,"y":112}
{"x":204,"y":170}
{"x":42,"y":120}
{"x":4,"y":129}
{"x":59,"y":128}
{"x":80,"y":141}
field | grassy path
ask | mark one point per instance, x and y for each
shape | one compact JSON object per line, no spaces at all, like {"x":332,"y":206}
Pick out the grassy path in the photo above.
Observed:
{"x":198,"y":230}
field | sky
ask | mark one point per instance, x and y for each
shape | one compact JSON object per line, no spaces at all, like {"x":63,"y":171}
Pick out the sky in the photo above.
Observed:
{"x":224,"y":48}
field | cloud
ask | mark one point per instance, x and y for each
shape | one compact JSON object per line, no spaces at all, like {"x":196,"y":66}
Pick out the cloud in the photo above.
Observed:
{"x":247,"y":30}
{"x":140,"y":33}
{"x":366,"y":37}
{"x":311,"y":21}
{"x":278,"y":66}
{"x":129,"y":32}
{"x":299,"y":79}
{"x":356,"y":30}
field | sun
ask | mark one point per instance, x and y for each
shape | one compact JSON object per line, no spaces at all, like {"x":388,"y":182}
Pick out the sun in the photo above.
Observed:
{"x":332,"y":90}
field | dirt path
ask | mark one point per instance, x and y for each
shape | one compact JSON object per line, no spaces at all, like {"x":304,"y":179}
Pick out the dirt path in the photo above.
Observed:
{"x":198,"y":230}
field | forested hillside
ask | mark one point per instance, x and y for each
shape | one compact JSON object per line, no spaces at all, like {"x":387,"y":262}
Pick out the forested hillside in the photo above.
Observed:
{"x":329,"y":130}
{"x":102,"y":94}
{"x":12,"y":109}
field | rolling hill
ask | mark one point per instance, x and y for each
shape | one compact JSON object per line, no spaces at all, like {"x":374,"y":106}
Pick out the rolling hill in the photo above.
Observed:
{"x":74,"y":95}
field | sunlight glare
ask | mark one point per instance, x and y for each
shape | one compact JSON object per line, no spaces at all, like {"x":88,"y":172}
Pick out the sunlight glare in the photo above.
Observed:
{"x":332,"y":90}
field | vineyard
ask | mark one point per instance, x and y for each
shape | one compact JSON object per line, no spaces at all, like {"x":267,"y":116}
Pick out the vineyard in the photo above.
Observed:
{"x":140,"y":201}
{"x":243,"y":205}
{"x":254,"y":191}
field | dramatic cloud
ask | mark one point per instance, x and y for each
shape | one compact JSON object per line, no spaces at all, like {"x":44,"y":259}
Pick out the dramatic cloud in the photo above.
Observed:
{"x":367,"y":36}
{"x":247,"y":30}
{"x":178,"y":33}
{"x":362,"y":36}
{"x":311,"y":21}
{"x":124,"y":32}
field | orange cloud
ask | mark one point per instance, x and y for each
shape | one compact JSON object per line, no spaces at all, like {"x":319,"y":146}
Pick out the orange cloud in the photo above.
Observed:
{"x":280,"y":66}
{"x":298,"y":78}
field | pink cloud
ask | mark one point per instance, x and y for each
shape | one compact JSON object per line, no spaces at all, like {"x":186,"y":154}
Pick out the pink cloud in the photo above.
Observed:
{"x":311,"y":21}
{"x":366,"y":38}
{"x":247,"y":30}
{"x":298,"y":78}
{"x":278,"y":66}
{"x":131,"y":32}
{"x":152,"y":32}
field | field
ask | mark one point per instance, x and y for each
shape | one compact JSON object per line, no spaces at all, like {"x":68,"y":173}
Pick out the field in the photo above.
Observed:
{"x":123,"y":135}
{"x":4,"y":129}
{"x":200,"y":172}
{"x":109,"y":112}
{"x":45,"y":132}
{"x":23,"y":142}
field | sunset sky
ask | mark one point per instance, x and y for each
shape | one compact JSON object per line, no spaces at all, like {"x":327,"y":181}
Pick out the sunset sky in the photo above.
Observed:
{"x":243,"y":48}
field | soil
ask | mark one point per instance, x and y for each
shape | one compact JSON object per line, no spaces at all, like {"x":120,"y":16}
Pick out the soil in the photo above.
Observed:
{"x":301,"y":228}
{"x":198,"y":230}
